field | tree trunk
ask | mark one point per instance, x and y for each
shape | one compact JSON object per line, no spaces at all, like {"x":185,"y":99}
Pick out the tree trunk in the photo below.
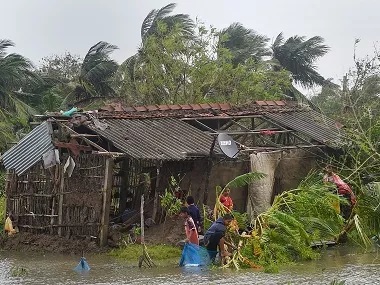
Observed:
{"x":260,"y":192}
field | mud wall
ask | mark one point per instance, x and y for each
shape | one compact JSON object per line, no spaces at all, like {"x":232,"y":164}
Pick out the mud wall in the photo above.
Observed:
{"x":284,"y":170}
{"x":196,"y":179}
{"x":292,"y":168}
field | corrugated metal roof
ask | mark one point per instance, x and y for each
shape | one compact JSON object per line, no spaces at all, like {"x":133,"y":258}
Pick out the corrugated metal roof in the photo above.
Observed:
{"x":29,"y":149}
{"x":310,"y":123}
{"x":156,"y":139}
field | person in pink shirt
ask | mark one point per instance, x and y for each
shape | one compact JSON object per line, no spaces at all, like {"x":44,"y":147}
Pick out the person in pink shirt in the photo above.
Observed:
{"x":343,"y":189}
{"x":190,"y":227}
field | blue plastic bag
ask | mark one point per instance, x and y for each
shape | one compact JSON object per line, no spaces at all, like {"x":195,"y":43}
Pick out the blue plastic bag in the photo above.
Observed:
{"x":194,"y":255}
{"x":82,"y":265}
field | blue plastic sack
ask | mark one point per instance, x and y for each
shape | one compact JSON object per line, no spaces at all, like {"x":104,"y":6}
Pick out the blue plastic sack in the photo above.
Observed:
{"x":194,"y":255}
{"x":82,"y":265}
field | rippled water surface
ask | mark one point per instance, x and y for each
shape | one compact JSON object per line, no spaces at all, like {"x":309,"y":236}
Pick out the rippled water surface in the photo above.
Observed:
{"x":337,"y":263}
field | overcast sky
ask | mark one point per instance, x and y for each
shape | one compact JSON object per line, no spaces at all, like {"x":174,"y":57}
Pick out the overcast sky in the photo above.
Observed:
{"x":45,"y":27}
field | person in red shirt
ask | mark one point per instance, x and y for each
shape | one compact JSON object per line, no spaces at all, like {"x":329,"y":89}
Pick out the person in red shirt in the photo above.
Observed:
{"x":226,"y":200}
{"x":343,"y":189}
{"x":190,"y":227}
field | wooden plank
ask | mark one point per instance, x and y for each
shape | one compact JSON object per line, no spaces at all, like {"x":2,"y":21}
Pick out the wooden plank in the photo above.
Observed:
{"x":107,"y":189}
{"x":83,"y":138}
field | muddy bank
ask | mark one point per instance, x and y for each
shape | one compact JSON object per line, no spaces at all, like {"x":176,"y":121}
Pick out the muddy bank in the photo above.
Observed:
{"x":170,"y":233}
{"x":27,"y":242}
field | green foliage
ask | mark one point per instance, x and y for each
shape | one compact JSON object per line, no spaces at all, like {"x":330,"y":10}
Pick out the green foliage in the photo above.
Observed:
{"x":368,"y":209}
{"x":284,"y":233}
{"x":62,"y":68}
{"x":156,"y":252}
{"x":244,"y":179}
{"x":170,"y":203}
{"x":174,"y":68}
{"x":242,"y":219}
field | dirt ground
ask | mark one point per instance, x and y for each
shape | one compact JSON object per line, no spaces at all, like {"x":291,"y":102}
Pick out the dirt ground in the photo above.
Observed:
{"x":170,"y":233}
{"x":46,"y":243}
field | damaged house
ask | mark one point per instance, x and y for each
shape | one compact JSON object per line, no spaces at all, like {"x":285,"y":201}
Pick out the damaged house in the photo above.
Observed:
{"x":73,"y":176}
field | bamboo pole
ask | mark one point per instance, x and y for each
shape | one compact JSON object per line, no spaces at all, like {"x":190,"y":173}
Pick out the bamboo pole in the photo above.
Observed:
{"x":106,"y":201}
{"x":142,"y":220}
{"x":144,"y":258}
{"x":60,"y":201}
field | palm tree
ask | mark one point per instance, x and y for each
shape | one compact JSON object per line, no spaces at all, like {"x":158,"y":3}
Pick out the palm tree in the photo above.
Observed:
{"x":95,"y":76}
{"x":150,"y":27}
{"x":243,"y":43}
{"x":150,"y":24}
{"x":15,"y":72}
{"x":298,"y":56}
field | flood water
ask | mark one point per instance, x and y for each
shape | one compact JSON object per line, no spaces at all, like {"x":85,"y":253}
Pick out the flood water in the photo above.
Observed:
{"x":341,"y":263}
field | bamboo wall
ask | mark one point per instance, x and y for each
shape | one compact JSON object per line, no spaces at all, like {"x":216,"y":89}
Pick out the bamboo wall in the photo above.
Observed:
{"x":48,"y":201}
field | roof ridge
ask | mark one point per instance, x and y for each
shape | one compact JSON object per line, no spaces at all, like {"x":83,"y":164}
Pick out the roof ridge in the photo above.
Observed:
{"x":120,"y":107}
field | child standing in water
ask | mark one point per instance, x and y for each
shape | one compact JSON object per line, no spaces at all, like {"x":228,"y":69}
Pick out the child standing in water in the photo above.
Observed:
{"x":190,"y":227}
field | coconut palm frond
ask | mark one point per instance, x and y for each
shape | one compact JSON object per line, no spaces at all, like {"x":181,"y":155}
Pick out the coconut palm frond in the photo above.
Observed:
{"x":243,"y":43}
{"x":326,"y":230}
{"x":298,"y":55}
{"x":361,"y":232}
{"x":278,"y":41}
{"x":150,"y":22}
{"x":244,"y":179}
{"x":288,"y":225}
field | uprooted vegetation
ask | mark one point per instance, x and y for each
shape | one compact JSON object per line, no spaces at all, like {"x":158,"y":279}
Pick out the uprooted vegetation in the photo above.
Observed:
{"x":297,"y":218}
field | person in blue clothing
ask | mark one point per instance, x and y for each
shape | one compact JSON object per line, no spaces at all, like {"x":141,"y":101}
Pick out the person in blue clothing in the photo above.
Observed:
{"x":214,"y":237}
{"x":194,"y":213}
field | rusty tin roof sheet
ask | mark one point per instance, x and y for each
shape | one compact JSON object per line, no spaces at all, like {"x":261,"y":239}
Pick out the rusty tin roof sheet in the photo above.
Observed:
{"x":156,"y":139}
{"x":311,"y":123}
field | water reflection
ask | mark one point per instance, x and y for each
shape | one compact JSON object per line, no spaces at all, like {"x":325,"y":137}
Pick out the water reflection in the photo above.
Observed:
{"x":342,"y":263}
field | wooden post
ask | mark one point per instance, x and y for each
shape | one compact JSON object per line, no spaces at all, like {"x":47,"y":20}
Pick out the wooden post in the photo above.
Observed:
{"x":124,"y":186}
{"x":52,"y":215}
{"x":60,"y":201}
{"x":108,"y":175}
{"x":156,"y":194}
{"x":142,"y":220}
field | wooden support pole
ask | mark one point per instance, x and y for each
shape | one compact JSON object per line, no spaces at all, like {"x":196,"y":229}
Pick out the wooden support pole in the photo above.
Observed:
{"x":107,"y":189}
{"x":142,"y":220}
{"x":156,"y":201}
{"x":52,"y":215}
{"x":124,"y":186}
{"x":60,"y":201}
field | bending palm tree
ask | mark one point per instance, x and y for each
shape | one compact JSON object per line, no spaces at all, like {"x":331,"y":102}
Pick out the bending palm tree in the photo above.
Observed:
{"x":298,"y":56}
{"x":15,"y":71}
{"x":95,"y":75}
{"x":150,"y":26}
{"x":243,"y":43}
